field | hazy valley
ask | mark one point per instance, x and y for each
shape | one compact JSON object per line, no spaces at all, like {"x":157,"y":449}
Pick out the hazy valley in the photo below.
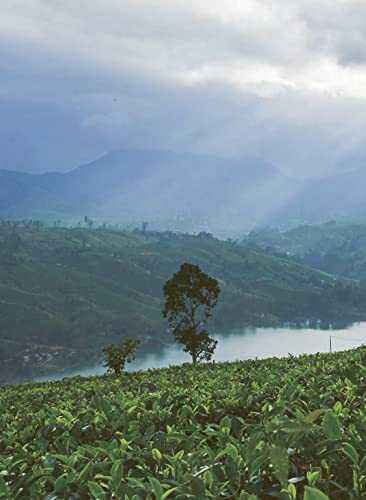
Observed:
{"x":183,"y":192}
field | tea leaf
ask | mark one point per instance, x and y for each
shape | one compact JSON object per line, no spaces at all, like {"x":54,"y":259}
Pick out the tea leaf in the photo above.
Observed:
{"x":331,"y":426}
{"x":314,"y":494}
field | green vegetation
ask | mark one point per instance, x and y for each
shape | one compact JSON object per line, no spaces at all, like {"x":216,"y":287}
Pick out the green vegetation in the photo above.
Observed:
{"x":190,"y":296}
{"x":334,"y":247}
{"x":66,"y":293}
{"x":117,"y":355}
{"x":275,"y":428}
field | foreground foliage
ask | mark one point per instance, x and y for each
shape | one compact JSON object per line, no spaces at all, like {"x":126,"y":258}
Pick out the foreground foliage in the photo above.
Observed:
{"x":278,"y":428}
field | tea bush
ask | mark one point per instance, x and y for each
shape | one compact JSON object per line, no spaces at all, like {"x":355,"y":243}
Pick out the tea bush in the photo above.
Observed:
{"x":277,"y":428}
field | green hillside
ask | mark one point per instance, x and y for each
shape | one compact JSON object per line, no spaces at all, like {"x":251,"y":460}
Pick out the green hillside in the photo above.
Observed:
{"x":278,"y":428}
{"x":64,"y":293}
{"x":333,"y":247}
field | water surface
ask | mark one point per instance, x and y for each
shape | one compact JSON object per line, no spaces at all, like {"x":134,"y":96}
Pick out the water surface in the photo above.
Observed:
{"x":249,"y":343}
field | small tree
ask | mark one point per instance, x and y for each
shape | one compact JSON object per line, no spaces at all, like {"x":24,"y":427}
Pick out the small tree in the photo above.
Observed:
{"x":190,"y":296}
{"x":117,"y":355}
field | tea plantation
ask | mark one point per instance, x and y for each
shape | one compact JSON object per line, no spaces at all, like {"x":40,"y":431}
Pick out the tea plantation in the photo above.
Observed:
{"x":65,"y":293}
{"x":277,"y":428}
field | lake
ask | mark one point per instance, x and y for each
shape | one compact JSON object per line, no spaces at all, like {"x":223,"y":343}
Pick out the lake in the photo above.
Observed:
{"x":249,"y":343}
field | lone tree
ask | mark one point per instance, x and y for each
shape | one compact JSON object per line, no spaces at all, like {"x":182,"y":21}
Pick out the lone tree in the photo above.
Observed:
{"x":117,"y":355}
{"x":190,"y":296}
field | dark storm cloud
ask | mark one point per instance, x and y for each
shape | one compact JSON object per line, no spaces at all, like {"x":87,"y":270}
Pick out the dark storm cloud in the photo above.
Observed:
{"x":284,"y":81}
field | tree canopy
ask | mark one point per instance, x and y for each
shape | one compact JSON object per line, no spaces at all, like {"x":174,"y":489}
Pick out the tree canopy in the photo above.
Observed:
{"x":190,"y":296}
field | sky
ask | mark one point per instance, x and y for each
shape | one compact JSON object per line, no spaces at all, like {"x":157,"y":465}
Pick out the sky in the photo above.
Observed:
{"x":282,"y":80}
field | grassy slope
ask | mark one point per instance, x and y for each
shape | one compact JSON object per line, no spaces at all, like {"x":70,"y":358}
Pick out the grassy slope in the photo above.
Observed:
{"x":335,"y":248}
{"x":75,"y":290}
{"x":226,"y":430}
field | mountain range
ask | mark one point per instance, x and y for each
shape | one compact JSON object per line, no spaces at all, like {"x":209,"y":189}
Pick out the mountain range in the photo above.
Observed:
{"x":187,"y":192}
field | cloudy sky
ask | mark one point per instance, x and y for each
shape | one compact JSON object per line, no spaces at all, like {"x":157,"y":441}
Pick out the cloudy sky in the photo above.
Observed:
{"x":283,"y":80}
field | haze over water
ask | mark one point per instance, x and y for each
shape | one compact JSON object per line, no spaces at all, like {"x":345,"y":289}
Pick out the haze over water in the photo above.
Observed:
{"x":248,"y":343}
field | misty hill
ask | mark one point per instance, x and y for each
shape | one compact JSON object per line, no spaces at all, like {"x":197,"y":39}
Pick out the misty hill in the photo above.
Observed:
{"x":333,"y":247}
{"x":187,"y":192}
{"x":339,"y":196}
{"x":64,"y":293}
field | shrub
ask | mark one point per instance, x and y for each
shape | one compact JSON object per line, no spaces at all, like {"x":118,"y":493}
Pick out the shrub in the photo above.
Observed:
{"x":117,"y":355}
